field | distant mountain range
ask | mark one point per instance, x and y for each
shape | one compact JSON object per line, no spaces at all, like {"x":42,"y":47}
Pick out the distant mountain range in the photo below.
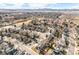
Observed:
{"x":41,"y":10}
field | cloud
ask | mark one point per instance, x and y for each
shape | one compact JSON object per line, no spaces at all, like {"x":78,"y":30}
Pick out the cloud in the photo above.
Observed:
{"x":10,"y":6}
{"x":38,"y":1}
{"x":61,"y":5}
{"x":75,"y":6}
{"x":28,"y":1}
{"x":40,"y":6}
{"x":37,"y":5}
{"x":51,"y":5}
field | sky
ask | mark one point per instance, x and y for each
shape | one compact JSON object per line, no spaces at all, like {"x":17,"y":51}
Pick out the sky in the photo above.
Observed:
{"x":38,"y":4}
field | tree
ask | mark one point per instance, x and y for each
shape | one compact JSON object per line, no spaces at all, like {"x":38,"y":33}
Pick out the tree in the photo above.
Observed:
{"x":1,"y":17}
{"x":77,"y":26}
{"x":57,"y":34}
{"x":23,"y":26}
{"x":1,"y":39}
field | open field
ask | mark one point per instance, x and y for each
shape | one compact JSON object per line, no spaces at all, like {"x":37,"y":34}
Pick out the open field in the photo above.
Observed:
{"x":76,"y":20}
